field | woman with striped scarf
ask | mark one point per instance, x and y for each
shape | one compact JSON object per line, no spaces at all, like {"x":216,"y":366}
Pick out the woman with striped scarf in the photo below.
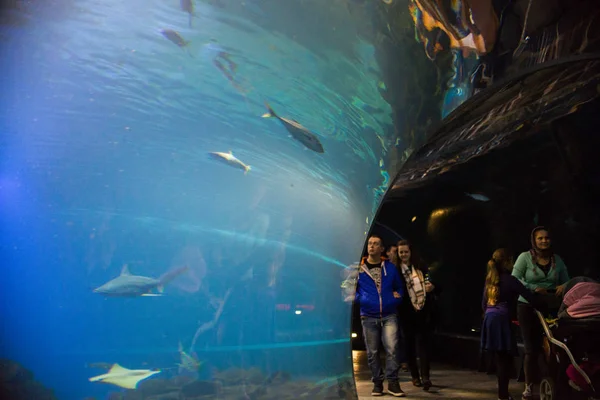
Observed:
{"x":416,"y":315}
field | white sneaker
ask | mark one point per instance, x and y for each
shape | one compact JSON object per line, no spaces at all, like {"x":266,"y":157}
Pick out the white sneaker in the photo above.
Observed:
{"x":528,"y":392}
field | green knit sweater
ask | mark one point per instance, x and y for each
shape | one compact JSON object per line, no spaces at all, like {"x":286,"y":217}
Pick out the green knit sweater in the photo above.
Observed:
{"x":524,"y":271}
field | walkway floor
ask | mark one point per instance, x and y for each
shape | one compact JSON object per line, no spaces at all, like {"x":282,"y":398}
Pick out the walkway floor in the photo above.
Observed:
{"x":450,"y":383}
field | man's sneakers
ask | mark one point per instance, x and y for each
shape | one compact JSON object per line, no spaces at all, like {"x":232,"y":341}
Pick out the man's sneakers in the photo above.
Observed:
{"x":394,"y":389}
{"x":377,"y":389}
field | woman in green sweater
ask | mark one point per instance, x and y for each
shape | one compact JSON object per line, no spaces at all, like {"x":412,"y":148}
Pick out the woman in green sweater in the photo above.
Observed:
{"x":543,"y":272}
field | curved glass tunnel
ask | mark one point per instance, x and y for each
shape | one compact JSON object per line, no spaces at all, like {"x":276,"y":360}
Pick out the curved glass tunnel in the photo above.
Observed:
{"x":116,"y":124}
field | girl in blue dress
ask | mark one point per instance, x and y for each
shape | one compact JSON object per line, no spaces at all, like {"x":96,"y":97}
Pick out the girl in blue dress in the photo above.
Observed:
{"x":499,"y":304}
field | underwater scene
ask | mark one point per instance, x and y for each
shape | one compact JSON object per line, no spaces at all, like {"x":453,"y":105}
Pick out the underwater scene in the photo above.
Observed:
{"x":184,"y":182}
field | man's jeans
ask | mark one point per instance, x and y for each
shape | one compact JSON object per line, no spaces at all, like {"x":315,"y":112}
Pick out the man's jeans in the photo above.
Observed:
{"x":376,"y":331}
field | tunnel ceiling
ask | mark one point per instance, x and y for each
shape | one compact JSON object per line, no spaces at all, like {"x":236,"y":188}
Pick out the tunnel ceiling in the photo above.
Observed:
{"x":493,"y":119}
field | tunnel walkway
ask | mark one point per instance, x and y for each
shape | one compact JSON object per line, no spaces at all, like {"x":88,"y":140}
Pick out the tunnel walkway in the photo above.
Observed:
{"x":450,"y":383}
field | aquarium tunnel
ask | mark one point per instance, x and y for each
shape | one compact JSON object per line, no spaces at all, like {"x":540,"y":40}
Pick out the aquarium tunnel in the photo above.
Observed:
{"x":184,"y":183}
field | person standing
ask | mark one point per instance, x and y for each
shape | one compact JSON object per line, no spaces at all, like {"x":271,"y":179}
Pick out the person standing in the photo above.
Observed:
{"x":392,"y":255}
{"x":499,"y":303}
{"x":379,"y":291}
{"x":544,"y":272}
{"x":416,"y":313}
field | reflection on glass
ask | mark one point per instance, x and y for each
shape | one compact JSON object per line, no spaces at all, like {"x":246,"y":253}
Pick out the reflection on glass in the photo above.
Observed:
{"x":470,"y":29}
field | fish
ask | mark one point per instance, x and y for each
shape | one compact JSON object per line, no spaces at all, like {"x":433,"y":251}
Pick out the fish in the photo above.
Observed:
{"x":298,"y":132}
{"x":478,"y":197}
{"x":188,"y":7}
{"x":176,"y":38}
{"x":124,"y":377}
{"x":230,"y":159}
{"x":188,"y":362}
{"x":127,"y":285}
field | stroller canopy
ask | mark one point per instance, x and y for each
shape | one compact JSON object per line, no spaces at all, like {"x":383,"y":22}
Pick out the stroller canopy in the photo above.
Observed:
{"x":583,"y":300}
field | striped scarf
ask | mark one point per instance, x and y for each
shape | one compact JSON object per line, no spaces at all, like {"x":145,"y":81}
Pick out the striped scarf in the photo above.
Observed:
{"x":415,"y":284}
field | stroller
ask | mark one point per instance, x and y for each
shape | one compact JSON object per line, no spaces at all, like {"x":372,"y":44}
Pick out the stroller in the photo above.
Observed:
{"x":572,"y":345}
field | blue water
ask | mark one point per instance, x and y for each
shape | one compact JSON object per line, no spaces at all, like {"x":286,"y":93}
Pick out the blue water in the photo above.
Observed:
{"x":105,"y":132}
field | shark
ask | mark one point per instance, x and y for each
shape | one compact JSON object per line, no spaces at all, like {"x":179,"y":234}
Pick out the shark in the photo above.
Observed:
{"x":189,"y":363}
{"x":127,"y":285}
{"x":297,"y":131}
{"x":124,"y":377}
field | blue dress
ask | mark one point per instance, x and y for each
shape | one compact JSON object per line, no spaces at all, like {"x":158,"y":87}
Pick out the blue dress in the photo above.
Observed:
{"x":497,"y":330}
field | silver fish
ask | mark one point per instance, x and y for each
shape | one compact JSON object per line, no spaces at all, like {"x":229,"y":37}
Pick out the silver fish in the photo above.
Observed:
{"x":230,"y":159}
{"x":298,"y":132}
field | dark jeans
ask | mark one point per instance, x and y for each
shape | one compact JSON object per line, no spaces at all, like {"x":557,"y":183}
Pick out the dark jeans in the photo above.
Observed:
{"x":531,"y":332}
{"x":377,"y":331}
{"x":401,"y":346}
{"x":417,"y":338}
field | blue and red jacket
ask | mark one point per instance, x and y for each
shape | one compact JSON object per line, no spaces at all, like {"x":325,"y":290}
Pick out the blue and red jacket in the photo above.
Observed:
{"x":374,"y":303}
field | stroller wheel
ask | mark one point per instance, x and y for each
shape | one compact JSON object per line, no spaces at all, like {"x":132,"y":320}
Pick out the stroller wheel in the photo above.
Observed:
{"x":547,"y":389}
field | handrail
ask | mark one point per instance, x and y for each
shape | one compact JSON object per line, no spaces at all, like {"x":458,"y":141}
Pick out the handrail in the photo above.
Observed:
{"x":563,"y":346}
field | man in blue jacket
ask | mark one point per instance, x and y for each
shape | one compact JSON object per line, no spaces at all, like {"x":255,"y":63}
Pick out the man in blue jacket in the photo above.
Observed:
{"x":379,"y":291}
